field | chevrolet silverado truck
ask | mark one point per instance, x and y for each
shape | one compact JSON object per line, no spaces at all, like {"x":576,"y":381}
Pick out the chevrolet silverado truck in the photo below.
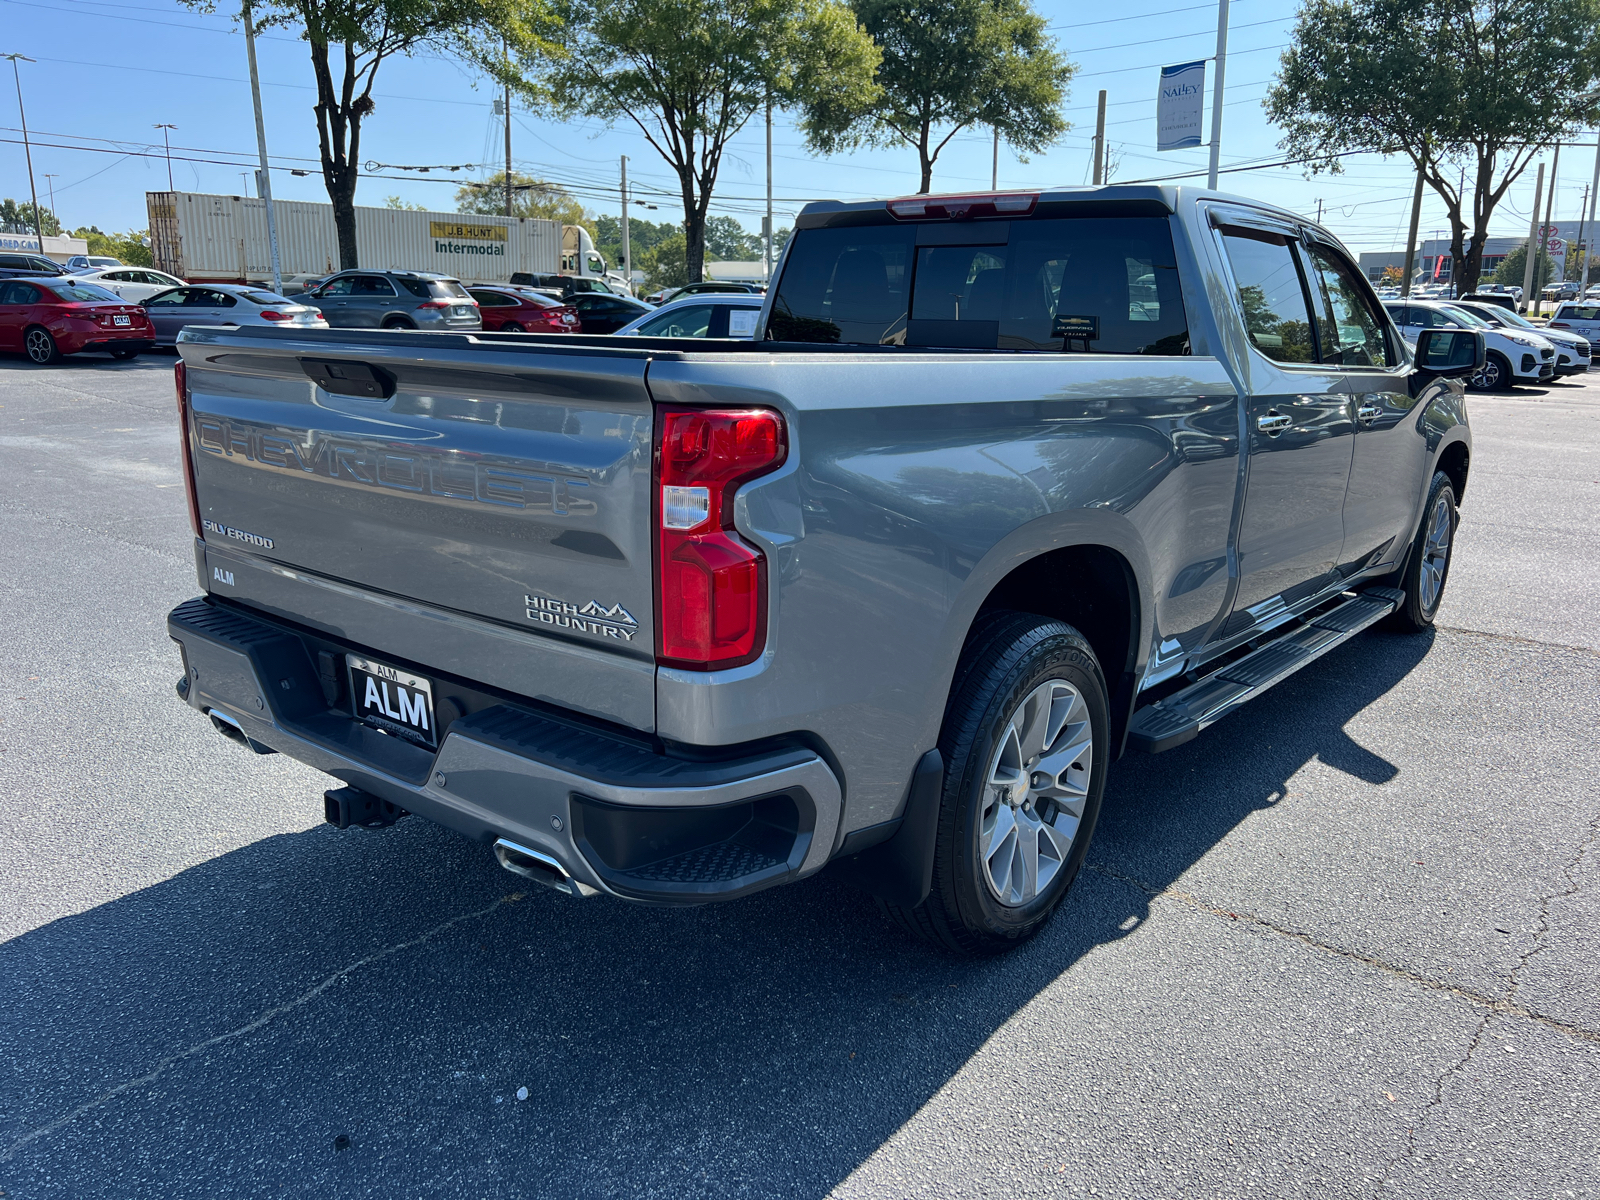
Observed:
{"x":1006,"y":484}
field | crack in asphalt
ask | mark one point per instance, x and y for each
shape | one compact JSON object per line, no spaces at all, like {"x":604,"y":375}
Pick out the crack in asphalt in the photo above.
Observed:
{"x":266,"y":1018}
{"x":1518,"y":639}
{"x":1475,"y":998}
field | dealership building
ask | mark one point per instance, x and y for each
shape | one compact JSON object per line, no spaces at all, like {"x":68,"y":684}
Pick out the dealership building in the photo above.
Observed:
{"x":1434,"y":253}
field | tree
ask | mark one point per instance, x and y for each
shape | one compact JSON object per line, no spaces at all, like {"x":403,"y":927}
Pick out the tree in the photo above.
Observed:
{"x":396,"y":202}
{"x":1392,"y":276}
{"x":1513,"y":266}
{"x":1458,"y":86}
{"x":666,"y":264}
{"x":690,"y":73}
{"x":18,"y":217}
{"x":132,"y":247}
{"x":643,"y":236}
{"x":530,"y":197}
{"x":728,"y":241}
{"x":350,"y":39}
{"x":947,"y":65}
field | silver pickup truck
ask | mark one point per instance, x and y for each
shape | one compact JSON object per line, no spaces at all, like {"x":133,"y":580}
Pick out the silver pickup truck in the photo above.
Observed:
{"x":1006,"y":484}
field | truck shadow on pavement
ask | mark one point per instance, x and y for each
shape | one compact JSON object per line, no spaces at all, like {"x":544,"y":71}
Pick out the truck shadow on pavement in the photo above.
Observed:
{"x":327,"y":1014}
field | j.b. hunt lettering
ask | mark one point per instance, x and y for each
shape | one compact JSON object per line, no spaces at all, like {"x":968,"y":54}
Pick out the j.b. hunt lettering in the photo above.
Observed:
{"x":400,"y":470}
{"x":615,"y":622}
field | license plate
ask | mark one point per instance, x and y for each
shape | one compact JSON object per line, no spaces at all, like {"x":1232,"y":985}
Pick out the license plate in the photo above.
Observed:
{"x":461,"y":310}
{"x":393,"y":700}
{"x":121,"y":319}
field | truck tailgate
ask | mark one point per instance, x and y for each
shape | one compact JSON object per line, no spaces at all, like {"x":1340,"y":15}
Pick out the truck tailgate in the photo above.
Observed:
{"x":489,"y":517}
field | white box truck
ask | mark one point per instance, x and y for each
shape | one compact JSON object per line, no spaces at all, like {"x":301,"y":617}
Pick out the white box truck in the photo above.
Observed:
{"x":220,"y":239}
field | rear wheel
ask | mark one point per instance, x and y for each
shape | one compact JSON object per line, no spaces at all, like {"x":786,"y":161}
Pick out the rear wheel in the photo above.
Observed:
{"x":398,"y":323}
{"x":41,"y":347}
{"x":124,"y":353}
{"x":1026,"y":745}
{"x":1427,"y":567}
{"x":511,"y":327}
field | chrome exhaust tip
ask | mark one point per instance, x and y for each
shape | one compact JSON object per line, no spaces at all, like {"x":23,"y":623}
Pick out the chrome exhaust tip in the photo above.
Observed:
{"x":229,"y":728}
{"x":540,"y":868}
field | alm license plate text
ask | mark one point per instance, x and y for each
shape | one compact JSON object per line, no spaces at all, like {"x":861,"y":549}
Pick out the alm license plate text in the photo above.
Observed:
{"x":394,"y":700}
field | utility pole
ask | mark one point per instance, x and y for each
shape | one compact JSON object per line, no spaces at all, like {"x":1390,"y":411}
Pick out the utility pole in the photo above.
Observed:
{"x":1411,"y":238}
{"x":994,"y":175}
{"x":1319,"y":210}
{"x":506,"y":54}
{"x":769,"y":191}
{"x":1100,"y":143}
{"x":627,"y":245}
{"x":1549,"y":208}
{"x":1216,"y":94}
{"x":1594,"y":189}
{"x":38,"y":225}
{"x":265,"y":174}
{"x":1583,"y":212}
{"x":50,"y":182}
{"x":1533,"y":240}
{"x":167,"y":142}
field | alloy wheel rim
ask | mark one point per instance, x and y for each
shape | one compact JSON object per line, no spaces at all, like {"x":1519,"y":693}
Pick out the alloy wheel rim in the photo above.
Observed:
{"x":1035,"y":793}
{"x":1435,"y":553}
{"x":39,"y":346}
{"x":1489,"y":375}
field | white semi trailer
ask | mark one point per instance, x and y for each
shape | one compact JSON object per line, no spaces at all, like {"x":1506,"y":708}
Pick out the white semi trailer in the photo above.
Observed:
{"x":202,"y":237}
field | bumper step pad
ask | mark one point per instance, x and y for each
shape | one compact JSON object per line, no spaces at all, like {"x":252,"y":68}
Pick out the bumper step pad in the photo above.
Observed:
{"x":1180,"y":717}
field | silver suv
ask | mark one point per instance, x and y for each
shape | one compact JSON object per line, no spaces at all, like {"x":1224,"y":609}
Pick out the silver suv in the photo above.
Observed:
{"x":393,"y":300}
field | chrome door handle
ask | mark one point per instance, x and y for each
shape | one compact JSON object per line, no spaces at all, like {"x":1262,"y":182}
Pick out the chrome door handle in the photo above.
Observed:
{"x":1273,"y":422}
{"x":1368,"y":413}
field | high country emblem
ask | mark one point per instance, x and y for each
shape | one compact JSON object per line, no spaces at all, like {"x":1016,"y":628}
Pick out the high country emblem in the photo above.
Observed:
{"x":614,"y":622}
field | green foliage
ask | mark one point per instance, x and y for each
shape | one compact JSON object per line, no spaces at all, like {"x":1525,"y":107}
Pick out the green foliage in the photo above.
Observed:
{"x":132,"y":247}
{"x":665,"y":264}
{"x":1515,"y":264}
{"x":948,"y":65}
{"x":643,"y":236}
{"x":727,"y":241}
{"x":396,"y":203}
{"x":1474,"y":85}
{"x":19,"y":215}
{"x":350,"y":39}
{"x":530,"y":197}
{"x":689,"y":74}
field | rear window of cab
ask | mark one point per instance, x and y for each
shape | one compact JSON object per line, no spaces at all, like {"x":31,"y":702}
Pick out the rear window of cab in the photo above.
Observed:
{"x":1580,"y":312}
{"x":1101,"y":285}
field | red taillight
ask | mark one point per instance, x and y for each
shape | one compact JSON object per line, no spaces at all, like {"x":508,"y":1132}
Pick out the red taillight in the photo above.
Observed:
{"x":272,"y":314}
{"x":918,"y":208}
{"x":1557,"y":325}
{"x":180,"y":377}
{"x":433,"y":304}
{"x":710,"y":582}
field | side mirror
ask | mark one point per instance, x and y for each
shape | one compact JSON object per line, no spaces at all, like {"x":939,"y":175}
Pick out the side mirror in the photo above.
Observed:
{"x":1449,"y":353}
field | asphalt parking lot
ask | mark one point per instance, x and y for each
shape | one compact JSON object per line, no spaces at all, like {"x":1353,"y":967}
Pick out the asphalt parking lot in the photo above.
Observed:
{"x":1347,"y":943}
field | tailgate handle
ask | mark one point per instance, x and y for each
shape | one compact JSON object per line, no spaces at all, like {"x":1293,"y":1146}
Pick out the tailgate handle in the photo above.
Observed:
{"x":344,"y":378}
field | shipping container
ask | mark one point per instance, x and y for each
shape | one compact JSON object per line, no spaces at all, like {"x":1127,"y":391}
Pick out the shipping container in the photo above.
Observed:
{"x":224,"y":238}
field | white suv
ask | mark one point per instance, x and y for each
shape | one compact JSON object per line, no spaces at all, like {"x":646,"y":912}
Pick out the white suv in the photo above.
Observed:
{"x":1512,"y":356}
{"x":1581,"y":317}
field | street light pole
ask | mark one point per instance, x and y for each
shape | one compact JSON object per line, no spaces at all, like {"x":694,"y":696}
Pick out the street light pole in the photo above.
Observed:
{"x":1216,"y":95}
{"x":167,"y":142}
{"x":38,"y":225}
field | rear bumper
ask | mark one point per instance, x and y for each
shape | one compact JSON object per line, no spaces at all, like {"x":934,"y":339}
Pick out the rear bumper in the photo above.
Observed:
{"x":77,"y":343}
{"x":617,"y":813}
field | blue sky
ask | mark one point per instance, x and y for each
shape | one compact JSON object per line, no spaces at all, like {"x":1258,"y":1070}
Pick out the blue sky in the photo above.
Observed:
{"x":109,"y":70}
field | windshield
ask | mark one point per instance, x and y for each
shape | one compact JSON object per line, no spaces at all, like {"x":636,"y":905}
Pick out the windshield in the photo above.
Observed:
{"x":84,"y":291}
{"x":1470,"y":319}
{"x":1102,"y":285}
{"x":1507,"y":317}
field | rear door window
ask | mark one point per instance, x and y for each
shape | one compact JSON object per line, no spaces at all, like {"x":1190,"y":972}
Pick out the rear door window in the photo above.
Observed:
{"x":1271,"y":294}
{"x":372,"y":285}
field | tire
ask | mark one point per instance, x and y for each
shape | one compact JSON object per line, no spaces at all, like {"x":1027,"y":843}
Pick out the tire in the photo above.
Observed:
{"x":41,"y":347}
{"x":1427,"y":568}
{"x":398,"y":323}
{"x":1028,"y":691}
{"x":124,"y":353}
{"x":512,"y":327}
{"x":1495,"y":376}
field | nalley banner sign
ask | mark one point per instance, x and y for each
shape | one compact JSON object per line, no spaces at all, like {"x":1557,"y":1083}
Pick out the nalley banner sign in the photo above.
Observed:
{"x":1179,"y":104}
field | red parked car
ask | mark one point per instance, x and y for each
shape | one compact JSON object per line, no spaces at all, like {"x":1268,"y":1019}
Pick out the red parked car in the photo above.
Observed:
{"x":46,"y":318}
{"x":521,"y":310}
